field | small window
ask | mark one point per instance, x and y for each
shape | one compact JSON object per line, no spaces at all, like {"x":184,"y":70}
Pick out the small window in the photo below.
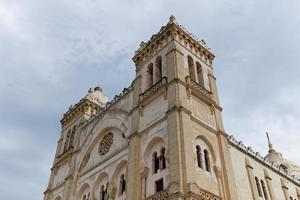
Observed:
{"x":122,"y":187}
{"x":102,"y":193}
{"x":264,"y":189}
{"x":155,"y":161}
{"x":72,"y":138}
{"x":159,"y":185}
{"x":150,"y":75}
{"x":162,"y":159}
{"x":84,"y":197}
{"x":258,"y":187}
{"x":67,"y":139}
{"x":207,"y":160}
{"x":199,"y":156}
{"x":191,"y":65}
{"x":200,"y":74}
{"x":158,"y":69}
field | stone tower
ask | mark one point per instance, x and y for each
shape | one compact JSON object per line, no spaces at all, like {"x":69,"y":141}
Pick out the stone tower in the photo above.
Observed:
{"x":174,"y":70}
{"x":71,"y":124}
{"x":163,"y":136}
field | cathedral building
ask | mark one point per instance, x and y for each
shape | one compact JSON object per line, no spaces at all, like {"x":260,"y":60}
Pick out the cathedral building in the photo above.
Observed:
{"x":163,"y":137}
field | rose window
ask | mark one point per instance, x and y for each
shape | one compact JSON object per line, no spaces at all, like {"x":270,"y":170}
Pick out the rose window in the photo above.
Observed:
{"x":106,"y":143}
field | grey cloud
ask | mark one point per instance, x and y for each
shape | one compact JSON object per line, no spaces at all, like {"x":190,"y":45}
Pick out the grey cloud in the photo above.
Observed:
{"x":52,"y":51}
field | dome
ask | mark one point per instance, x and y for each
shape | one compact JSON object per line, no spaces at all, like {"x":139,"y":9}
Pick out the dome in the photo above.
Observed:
{"x":276,"y":158}
{"x":97,"y":96}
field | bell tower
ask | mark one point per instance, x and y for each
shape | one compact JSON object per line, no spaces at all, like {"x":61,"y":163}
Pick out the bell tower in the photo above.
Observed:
{"x":174,"y":64}
{"x":68,"y":143}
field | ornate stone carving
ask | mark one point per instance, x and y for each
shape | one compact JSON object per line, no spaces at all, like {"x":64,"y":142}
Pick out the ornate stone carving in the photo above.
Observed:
{"x":106,"y":143}
{"x":155,"y":88}
{"x":200,"y":88}
{"x":162,"y":195}
{"x":172,"y":30}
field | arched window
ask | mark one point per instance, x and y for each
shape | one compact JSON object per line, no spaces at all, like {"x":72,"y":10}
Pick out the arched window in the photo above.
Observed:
{"x":84,"y":197}
{"x":207,"y":160}
{"x":291,"y":198}
{"x":122,"y":187}
{"x":150,"y":75}
{"x":158,"y":69}
{"x":162,"y":159}
{"x":199,"y":156}
{"x":102,"y":193}
{"x":200,"y":74}
{"x":155,"y":161}
{"x":67,"y":141}
{"x":258,"y":187}
{"x":264,"y":189}
{"x":159,"y":185}
{"x":106,"y":196}
{"x":72,"y":138}
{"x":191,"y":68}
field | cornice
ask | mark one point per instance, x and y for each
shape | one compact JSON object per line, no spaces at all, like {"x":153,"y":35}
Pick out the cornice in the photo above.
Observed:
{"x":109,"y":104}
{"x":256,"y":155}
{"x":172,"y":30}
{"x":77,"y":110}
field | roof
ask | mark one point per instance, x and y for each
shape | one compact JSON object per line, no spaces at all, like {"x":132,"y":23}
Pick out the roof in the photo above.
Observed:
{"x":144,"y":46}
{"x":266,"y":161}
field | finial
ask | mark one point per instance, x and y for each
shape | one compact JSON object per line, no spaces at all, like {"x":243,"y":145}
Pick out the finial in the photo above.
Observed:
{"x":142,"y":44}
{"x":90,"y":90}
{"x":269,"y":143}
{"x":172,"y":19}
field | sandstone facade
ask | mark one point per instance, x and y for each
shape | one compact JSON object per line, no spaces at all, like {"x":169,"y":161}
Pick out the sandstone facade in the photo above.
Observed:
{"x":162,"y":137}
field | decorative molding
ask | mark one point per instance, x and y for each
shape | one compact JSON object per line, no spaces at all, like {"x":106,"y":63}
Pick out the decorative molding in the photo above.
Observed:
{"x":161,"y":84}
{"x":106,"y":143}
{"x":256,"y":155}
{"x":84,"y":106}
{"x":194,"y":87}
{"x":172,"y":31}
{"x":162,"y":195}
{"x":109,"y":104}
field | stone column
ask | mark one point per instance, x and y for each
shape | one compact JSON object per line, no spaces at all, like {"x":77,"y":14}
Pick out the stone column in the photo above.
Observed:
{"x":175,"y":71}
{"x":218,"y":172}
{"x":195,"y":73}
{"x":269,"y":185}
{"x":111,"y":192}
{"x":67,"y":188}
{"x":144,"y":182}
{"x":134,"y":180}
{"x":213,"y":87}
{"x":154,"y":73}
{"x":285,"y":189}
{"x":298,"y":193}
{"x":134,"y":146}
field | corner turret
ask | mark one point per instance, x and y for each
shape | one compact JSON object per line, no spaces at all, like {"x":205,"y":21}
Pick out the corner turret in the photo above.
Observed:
{"x":89,"y":105}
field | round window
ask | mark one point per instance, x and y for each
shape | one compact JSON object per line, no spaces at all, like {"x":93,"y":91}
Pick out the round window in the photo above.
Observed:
{"x":106,"y":143}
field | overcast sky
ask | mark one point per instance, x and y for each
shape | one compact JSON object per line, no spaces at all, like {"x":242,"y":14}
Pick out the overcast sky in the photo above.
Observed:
{"x":52,"y":51}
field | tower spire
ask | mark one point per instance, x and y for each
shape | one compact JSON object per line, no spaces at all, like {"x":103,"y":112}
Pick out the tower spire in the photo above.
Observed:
{"x":271,"y":149}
